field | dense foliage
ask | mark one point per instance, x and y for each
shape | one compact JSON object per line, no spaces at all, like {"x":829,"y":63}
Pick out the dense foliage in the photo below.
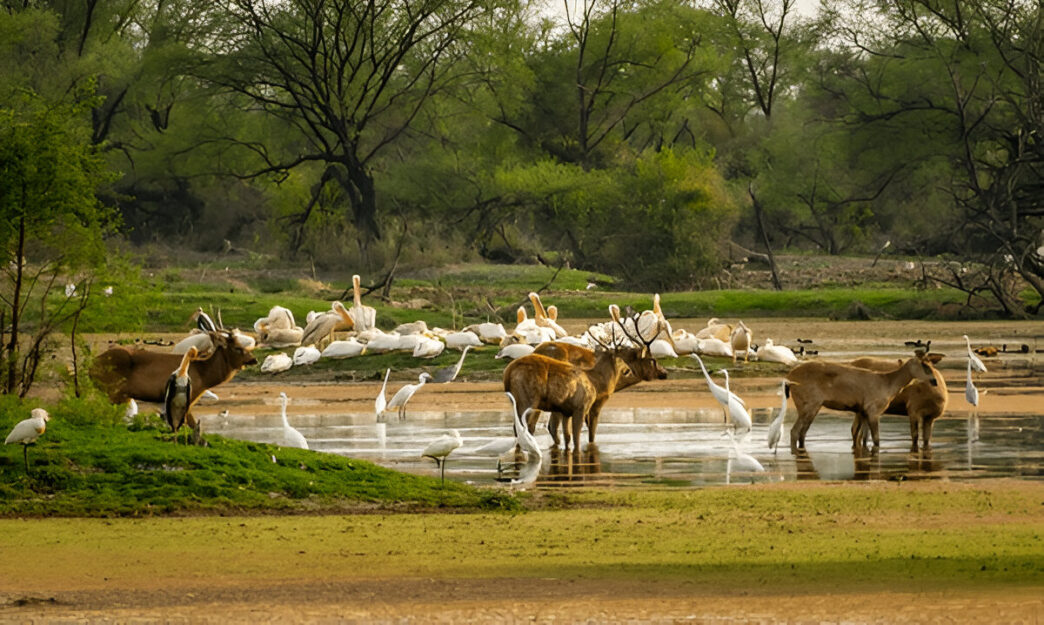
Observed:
{"x":633,"y":137}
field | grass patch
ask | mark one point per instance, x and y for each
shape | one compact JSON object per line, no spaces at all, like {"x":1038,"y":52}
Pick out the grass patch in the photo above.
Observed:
{"x":89,"y":464}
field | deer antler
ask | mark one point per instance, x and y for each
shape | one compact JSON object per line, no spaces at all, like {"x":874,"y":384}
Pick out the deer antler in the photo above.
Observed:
{"x":637,"y":337}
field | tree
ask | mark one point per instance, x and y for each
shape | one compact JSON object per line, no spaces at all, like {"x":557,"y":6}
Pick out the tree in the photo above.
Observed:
{"x":51,"y":227}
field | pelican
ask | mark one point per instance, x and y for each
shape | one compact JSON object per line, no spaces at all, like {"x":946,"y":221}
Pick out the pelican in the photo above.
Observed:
{"x":546,"y":318}
{"x":278,"y":318}
{"x":177,"y":396}
{"x":428,"y":348}
{"x":27,"y":431}
{"x":716,"y":330}
{"x":723,"y":395}
{"x":776,"y":353}
{"x":197,"y":338}
{"x":971,"y":394}
{"x":713,"y":347}
{"x":414,"y":327}
{"x":975,"y":362}
{"x":344,"y":349}
{"x":276,"y":363}
{"x":404,"y":394}
{"x":736,"y":407}
{"x":489,"y":333}
{"x":291,"y":437}
{"x":460,"y":340}
{"x":323,"y":325}
{"x":381,"y":402}
{"x":381,"y":342}
{"x":365,"y":317}
{"x":439,"y":449}
{"x":775,"y":429}
{"x":281,"y":337}
{"x":518,"y":350}
{"x":685,"y":342}
{"x":740,"y":340}
{"x":661,"y":348}
{"x":306,"y":355}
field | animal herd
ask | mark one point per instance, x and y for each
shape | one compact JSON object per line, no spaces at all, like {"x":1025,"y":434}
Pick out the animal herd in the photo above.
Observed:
{"x":569,"y":377}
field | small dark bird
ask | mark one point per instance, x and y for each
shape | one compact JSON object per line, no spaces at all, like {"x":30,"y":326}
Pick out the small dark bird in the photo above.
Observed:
{"x":806,"y":341}
{"x":178,"y":392}
{"x":919,"y":343}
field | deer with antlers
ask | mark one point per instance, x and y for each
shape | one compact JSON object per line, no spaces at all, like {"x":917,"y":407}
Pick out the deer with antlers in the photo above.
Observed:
{"x":578,"y":385}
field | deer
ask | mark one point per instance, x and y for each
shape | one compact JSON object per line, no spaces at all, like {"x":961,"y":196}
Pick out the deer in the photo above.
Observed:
{"x":576,"y":391}
{"x":838,"y":386}
{"x":921,"y":401}
{"x":139,"y":374}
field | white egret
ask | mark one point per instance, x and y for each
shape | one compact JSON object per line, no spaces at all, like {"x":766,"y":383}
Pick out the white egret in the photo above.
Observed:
{"x":381,"y":402}
{"x":737,"y":410}
{"x":524,"y":438}
{"x":178,"y":393}
{"x":775,"y":429}
{"x":721,"y":394}
{"x":741,"y":461}
{"x":27,"y":431}
{"x":440,"y":449}
{"x":971,"y":394}
{"x":448,"y":374}
{"x":975,"y":362}
{"x":404,"y":394}
{"x":291,"y":437}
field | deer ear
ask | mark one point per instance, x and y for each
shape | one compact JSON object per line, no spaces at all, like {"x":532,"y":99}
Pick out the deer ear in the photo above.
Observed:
{"x":934,"y":357}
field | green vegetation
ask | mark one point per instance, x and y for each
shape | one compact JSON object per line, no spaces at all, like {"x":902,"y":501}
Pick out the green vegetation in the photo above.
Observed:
{"x":89,"y":464}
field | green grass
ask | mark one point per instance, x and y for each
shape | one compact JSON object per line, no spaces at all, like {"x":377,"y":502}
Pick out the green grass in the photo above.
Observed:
{"x":89,"y":464}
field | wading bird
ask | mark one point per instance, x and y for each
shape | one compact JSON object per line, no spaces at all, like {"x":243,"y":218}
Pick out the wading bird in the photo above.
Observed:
{"x":721,"y":394}
{"x":27,"y":431}
{"x":381,"y":402}
{"x":971,"y":394}
{"x":737,"y":410}
{"x":291,"y":437}
{"x":448,"y":374}
{"x":440,"y":449}
{"x":775,"y":429}
{"x":404,"y":394}
{"x":178,"y":392}
{"x":975,"y":361}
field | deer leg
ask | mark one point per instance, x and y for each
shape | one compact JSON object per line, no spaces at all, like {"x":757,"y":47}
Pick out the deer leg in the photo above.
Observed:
{"x":875,"y":422}
{"x":915,"y":426}
{"x":552,"y":427}
{"x":926,"y":431}
{"x":578,"y":424}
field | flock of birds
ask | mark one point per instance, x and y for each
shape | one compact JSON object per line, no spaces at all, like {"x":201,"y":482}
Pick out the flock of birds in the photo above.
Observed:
{"x":278,"y":329}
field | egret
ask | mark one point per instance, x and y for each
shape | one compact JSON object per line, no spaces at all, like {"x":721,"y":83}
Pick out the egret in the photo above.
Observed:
{"x":525,"y":439}
{"x":448,"y":374}
{"x":775,"y":429}
{"x":132,"y":410}
{"x":440,"y":449}
{"x":291,"y":437}
{"x":971,"y":394}
{"x":741,"y":461}
{"x":381,"y":402}
{"x":177,"y":396}
{"x":27,"y":431}
{"x":737,"y":410}
{"x":404,"y":394}
{"x":975,"y":362}
{"x":721,"y":394}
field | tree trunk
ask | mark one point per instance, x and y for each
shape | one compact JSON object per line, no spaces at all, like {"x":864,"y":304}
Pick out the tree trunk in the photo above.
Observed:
{"x":764,"y":239}
{"x":16,"y":305}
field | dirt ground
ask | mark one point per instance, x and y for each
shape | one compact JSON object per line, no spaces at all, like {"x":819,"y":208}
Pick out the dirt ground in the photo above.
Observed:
{"x":269,"y":594}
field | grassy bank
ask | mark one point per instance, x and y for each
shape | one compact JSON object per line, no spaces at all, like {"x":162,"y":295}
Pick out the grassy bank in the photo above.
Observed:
{"x":774,"y":539}
{"x":87,"y":463}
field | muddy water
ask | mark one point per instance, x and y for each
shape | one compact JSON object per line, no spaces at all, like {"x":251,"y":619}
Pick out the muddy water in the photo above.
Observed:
{"x":672,"y":433}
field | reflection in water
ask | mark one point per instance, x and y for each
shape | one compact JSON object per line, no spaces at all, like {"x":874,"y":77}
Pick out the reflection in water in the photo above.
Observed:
{"x":685,"y":450}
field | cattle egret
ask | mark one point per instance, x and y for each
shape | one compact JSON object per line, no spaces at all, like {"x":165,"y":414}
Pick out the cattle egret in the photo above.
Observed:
{"x":736,"y":409}
{"x":27,"y":431}
{"x":178,"y":393}
{"x":971,"y":394}
{"x":208,"y":396}
{"x":448,"y":374}
{"x":404,"y":394}
{"x":381,"y":402}
{"x":721,"y":394}
{"x":439,"y":449}
{"x":291,"y":437}
{"x":975,"y":361}
{"x":775,"y":429}
{"x":276,"y":363}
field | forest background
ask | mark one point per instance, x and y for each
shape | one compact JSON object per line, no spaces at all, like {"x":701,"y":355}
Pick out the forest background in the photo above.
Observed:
{"x":651,"y":141}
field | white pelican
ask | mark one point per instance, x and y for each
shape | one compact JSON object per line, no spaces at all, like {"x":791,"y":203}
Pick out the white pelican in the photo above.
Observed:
{"x":306,"y":355}
{"x":404,"y":394}
{"x":439,"y":449}
{"x":460,"y":340}
{"x":278,"y":318}
{"x":544,"y":317}
{"x":736,"y":407}
{"x":518,"y":350}
{"x":344,"y":349}
{"x":413,"y":327}
{"x":428,"y":348}
{"x":323,"y":325}
{"x":685,"y":342}
{"x":740,"y":341}
{"x":446,"y":375}
{"x":713,"y":347}
{"x":776,"y":353}
{"x":291,"y":437}
{"x":660,"y":348}
{"x":775,"y":429}
{"x":974,"y":360}
{"x":197,"y":338}
{"x":177,"y":394}
{"x":716,"y":330}
{"x":276,"y":363}
{"x":365,"y":317}
{"x":281,"y":337}
{"x":381,"y":342}
{"x":27,"y":431}
{"x":381,"y":402}
{"x":489,"y":333}
{"x":131,"y":411}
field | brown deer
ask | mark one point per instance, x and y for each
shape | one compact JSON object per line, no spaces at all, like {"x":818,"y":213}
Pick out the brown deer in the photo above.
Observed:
{"x":838,"y":386}
{"x":921,"y":401}
{"x":576,"y":391}
{"x":142,"y":375}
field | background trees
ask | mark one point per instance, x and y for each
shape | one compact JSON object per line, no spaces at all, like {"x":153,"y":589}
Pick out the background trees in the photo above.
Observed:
{"x":636,"y":137}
